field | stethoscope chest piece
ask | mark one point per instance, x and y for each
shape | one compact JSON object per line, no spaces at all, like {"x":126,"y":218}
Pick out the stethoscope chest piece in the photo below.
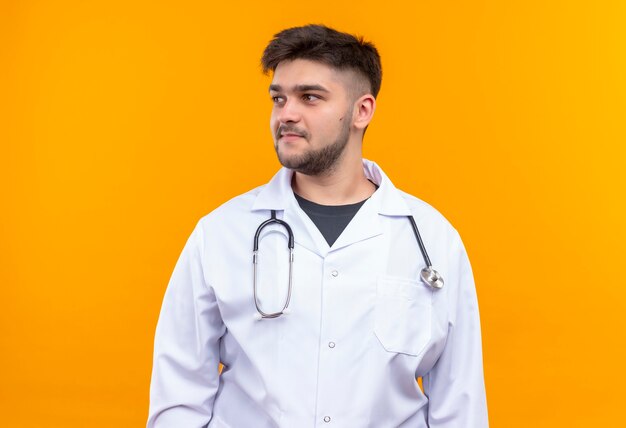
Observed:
{"x":431,"y":277}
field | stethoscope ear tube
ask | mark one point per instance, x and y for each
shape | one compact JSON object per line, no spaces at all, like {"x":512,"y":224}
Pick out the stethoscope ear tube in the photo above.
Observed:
{"x":255,"y":253}
{"x":273,"y":219}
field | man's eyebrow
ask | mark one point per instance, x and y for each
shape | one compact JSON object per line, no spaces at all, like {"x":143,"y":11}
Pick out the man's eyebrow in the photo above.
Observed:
{"x":300,"y":88}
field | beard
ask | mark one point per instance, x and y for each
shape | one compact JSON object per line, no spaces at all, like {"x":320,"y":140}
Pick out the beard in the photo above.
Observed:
{"x":317,"y":162}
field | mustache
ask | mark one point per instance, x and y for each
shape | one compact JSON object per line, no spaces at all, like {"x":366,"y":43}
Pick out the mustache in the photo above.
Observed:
{"x":291,"y":129}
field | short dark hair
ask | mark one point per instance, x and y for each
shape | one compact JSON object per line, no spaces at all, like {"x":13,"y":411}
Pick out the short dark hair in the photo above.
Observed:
{"x":326,"y":45}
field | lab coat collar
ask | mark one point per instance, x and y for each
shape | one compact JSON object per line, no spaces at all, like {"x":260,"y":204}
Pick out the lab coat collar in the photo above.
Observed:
{"x":387,"y":200}
{"x":278,"y":194}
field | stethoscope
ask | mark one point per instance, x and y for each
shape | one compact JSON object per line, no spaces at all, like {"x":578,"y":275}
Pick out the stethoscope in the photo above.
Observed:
{"x":428,"y":275}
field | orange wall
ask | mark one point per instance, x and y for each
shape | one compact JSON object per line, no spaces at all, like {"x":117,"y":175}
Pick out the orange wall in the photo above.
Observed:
{"x":122,"y":123}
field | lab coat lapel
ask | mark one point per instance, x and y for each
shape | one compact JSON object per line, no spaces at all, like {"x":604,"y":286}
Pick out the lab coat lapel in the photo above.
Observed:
{"x":364,"y":225}
{"x":278,"y":195}
{"x":386,"y":201}
{"x":305,"y":231}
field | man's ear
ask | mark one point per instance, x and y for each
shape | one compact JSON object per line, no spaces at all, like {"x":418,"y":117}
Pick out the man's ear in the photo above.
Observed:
{"x":363,"y":113}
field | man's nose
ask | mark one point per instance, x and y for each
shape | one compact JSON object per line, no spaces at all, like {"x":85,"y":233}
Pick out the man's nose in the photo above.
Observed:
{"x":288,"y":112}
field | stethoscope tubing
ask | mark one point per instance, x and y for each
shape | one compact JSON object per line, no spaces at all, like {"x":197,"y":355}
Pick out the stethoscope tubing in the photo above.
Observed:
{"x":255,"y":260}
{"x":267,"y":222}
{"x":420,"y":242}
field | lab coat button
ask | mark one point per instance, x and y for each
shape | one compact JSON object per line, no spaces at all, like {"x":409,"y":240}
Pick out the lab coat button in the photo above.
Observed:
{"x":326,"y":418}
{"x":331,"y":344}
{"x":334,"y":273}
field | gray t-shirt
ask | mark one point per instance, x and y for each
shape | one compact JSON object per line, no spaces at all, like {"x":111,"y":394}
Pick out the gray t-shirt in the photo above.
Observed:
{"x":331,"y":220}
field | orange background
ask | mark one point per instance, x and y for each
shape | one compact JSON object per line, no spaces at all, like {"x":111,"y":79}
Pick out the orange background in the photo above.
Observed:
{"x":122,"y":123}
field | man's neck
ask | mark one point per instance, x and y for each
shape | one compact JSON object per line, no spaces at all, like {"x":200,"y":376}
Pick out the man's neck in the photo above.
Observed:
{"x":345,"y":184}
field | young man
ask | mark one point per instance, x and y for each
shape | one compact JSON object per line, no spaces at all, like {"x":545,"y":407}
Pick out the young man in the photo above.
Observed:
{"x":335,"y":331}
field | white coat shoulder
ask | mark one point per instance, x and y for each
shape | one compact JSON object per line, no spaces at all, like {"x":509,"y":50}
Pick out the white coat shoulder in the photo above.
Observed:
{"x":238,"y":206}
{"x":426,"y":214}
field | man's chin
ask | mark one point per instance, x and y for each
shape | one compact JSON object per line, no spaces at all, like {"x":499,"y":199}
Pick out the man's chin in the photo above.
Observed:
{"x":290,"y":163}
{"x":300,"y":168}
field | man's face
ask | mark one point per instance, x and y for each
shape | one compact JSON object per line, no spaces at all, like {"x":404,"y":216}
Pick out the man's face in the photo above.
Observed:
{"x":312,"y":115}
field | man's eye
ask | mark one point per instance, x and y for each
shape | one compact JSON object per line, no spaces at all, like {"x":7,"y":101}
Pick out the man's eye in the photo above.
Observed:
{"x":310,"y":97}
{"x":277,"y":100}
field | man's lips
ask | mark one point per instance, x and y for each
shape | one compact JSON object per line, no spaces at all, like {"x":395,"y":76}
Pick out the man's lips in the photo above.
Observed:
{"x":290,"y":133}
{"x":289,"y":136}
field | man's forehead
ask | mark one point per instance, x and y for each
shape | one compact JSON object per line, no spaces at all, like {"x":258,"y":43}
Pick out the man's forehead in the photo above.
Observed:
{"x":302,"y":73}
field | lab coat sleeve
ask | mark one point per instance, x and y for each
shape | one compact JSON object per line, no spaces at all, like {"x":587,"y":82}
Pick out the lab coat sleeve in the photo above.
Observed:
{"x":186,"y":345}
{"x":455,"y":385}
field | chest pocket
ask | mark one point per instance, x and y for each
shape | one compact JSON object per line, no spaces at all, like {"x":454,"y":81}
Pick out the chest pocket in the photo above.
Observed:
{"x":403,"y":315}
